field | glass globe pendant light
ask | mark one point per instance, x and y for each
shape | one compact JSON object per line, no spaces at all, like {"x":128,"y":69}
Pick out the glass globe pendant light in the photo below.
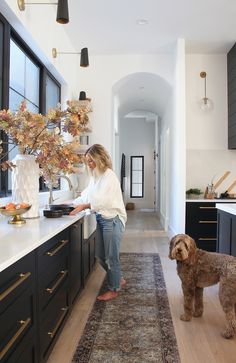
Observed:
{"x":205,"y":103}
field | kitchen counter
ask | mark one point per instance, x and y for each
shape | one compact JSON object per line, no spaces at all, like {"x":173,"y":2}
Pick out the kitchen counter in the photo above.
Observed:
{"x":17,"y":241}
{"x":229,"y":208}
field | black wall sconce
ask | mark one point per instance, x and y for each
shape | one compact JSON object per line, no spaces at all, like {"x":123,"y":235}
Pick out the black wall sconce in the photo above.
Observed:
{"x":84,"y":60}
{"x":62,"y":9}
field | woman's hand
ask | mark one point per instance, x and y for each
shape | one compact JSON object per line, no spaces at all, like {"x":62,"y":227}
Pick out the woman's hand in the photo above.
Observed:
{"x":77,"y":209}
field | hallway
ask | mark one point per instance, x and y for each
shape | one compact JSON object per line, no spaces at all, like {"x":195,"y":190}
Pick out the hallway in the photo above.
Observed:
{"x":199,"y":341}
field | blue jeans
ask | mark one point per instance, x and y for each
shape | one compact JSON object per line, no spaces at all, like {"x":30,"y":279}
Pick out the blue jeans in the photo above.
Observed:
{"x":109,"y":235}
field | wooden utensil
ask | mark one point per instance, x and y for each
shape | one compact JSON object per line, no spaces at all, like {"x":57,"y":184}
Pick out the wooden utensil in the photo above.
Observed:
{"x":231,"y":187}
{"x":217,"y":184}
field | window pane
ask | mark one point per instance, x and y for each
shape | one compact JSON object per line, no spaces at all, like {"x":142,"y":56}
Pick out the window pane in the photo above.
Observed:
{"x":52,"y":94}
{"x":136,"y":187}
{"x":17,"y":68}
{"x":14,"y":100}
{"x":1,"y":61}
{"x":31,"y":82}
{"x":135,"y":163}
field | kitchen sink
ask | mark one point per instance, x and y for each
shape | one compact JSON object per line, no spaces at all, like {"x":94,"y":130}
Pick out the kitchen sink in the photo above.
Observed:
{"x":90,"y":224}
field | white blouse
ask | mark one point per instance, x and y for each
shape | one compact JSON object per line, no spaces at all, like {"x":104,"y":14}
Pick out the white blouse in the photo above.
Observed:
{"x":104,"y":195}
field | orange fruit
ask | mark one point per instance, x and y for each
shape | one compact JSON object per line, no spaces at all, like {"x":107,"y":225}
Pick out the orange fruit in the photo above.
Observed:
{"x":10,"y":206}
{"x":24,"y":205}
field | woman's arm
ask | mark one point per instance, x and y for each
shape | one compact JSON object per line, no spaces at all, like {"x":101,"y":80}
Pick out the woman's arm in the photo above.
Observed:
{"x":79,"y":208}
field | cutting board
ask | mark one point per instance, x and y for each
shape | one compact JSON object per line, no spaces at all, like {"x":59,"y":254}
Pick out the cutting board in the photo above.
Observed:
{"x":220,"y":181}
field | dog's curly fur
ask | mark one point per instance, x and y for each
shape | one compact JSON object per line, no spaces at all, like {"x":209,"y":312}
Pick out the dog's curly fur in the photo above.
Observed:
{"x":198,"y":269}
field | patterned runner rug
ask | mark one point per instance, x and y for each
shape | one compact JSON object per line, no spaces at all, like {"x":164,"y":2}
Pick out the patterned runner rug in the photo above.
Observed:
{"x":136,"y":327}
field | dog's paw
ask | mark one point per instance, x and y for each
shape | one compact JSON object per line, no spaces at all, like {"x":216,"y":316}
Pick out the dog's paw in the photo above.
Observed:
{"x":185,"y":317}
{"x":198,"y":313}
{"x":227,"y":334}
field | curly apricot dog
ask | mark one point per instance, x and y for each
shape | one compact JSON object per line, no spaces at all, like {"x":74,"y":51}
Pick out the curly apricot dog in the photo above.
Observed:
{"x":198,"y":269}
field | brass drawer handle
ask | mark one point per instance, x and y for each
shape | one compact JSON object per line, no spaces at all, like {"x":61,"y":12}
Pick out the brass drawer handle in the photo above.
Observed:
{"x":52,"y":252}
{"x":24,"y":324}
{"x":207,"y":222}
{"x":53,"y":332}
{"x":50,"y":290}
{"x":207,"y":239}
{"x":207,"y":207}
{"x":22,"y":277}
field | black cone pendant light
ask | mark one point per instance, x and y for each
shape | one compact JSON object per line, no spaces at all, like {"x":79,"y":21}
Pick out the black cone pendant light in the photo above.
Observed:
{"x":62,"y":9}
{"x":62,"y":12}
{"x":84,"y":60}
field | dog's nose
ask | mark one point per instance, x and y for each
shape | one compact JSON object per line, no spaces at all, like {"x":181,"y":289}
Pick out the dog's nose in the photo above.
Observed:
{"x":179,"y":250}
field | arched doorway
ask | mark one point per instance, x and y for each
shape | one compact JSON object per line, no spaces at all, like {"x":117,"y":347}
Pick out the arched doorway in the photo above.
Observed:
{"x":139,"y":107}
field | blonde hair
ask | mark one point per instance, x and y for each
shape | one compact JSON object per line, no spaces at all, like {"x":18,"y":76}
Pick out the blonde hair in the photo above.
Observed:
{"x":100,"y":156}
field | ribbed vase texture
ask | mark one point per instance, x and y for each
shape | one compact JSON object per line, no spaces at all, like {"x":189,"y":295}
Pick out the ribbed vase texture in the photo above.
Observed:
{"x":25,"y":183}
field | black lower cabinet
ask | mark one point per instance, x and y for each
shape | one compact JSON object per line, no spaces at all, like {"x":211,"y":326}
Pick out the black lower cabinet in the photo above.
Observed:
{"x":37,"y":295}
{"x":226,"y":232}
{"x":88,"y":252}
{"x":18,"y":312}
{"x":201,"y":224}
{"x":86,"y":260}
{"x":76,"y":235}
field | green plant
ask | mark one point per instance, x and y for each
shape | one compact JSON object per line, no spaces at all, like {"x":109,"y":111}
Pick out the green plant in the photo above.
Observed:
{"x":193,"y":191}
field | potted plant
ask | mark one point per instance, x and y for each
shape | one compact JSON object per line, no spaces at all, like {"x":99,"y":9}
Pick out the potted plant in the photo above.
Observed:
{"x":193,"y":193}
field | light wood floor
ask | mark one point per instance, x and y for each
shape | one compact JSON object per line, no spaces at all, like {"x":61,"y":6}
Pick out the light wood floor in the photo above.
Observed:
{"x":199,"y":341}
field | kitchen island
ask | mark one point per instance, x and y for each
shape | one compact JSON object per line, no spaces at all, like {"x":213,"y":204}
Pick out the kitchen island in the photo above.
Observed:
{"x":44,"y":266}
{"x":226,"y":232}
{"x":201,"y":221}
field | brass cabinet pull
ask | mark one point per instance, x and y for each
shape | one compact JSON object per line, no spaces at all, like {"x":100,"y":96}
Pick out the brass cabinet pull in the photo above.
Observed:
{"x":63,"y":274}
{"x":207,"y":207}
{"x":207,"y":239}
{"x":24,"y":324}
{"x":52,"y":252}
{"x":53,"y":332}
{"x":208,"y":222}
{"x":22,"y":277}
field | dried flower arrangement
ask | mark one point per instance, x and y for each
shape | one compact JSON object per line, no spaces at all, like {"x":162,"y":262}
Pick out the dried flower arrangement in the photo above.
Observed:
{"x":39,"y":135}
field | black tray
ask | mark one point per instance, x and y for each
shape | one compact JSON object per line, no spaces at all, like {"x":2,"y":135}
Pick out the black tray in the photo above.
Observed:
{"x":53,"y":213}
{"x":65,"y":208}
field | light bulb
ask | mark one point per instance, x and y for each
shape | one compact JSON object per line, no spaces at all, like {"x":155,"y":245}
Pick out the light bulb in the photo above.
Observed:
{"x":206,"y":104}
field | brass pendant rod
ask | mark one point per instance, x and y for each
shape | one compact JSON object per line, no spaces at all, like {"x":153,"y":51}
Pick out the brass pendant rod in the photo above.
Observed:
{"x":41,"y":3}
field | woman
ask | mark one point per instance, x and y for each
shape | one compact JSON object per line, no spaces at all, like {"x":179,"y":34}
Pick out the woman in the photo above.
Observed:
{"x":103,"y":195}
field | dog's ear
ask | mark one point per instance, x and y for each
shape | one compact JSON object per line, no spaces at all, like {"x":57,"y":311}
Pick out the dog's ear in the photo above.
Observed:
{"x":172,"y":243}
{"x":192,"y":247}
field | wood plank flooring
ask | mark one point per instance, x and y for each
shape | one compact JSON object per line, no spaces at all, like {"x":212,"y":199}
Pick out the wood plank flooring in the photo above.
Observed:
{"x":199,"y":341}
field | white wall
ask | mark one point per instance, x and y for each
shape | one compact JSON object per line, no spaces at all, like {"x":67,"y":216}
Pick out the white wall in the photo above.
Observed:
{"x":137,"y":138}
{"x":207,"y":154}
{"x":103,"y":73}
{"x":177,"y":142}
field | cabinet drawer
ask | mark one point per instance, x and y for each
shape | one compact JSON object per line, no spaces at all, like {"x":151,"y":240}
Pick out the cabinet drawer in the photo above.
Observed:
{"x":52,"y":249}
{"x":52,"y":279}
{"x":15,"y":279}
{"x":15,"y":323}
{"x":208,"y":244}
{"x":205,"y":211}
{"x":52,"y":321}
{"x":26,"y":352}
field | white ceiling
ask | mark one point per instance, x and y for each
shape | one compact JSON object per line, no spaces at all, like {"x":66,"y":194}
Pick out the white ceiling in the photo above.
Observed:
{"x":110,"y":26}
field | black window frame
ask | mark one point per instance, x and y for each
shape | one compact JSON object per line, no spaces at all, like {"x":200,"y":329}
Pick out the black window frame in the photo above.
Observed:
{"x":131,"y":180}
{"x":8,"y":34}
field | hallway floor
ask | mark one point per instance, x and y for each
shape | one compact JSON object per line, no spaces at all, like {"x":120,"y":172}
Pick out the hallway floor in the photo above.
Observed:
{"x":199,"y":341}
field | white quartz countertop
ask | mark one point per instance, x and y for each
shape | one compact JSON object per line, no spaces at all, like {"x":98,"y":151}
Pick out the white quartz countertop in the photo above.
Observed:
{"x":17,"y":241}
{"x":229,"y":208}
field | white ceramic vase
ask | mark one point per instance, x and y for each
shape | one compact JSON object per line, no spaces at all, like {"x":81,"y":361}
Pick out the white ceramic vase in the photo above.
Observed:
{"x":25,"y":183}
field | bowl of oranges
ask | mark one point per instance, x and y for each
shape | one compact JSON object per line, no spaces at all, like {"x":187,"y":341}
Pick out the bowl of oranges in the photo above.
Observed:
{"x":15,"y":211}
